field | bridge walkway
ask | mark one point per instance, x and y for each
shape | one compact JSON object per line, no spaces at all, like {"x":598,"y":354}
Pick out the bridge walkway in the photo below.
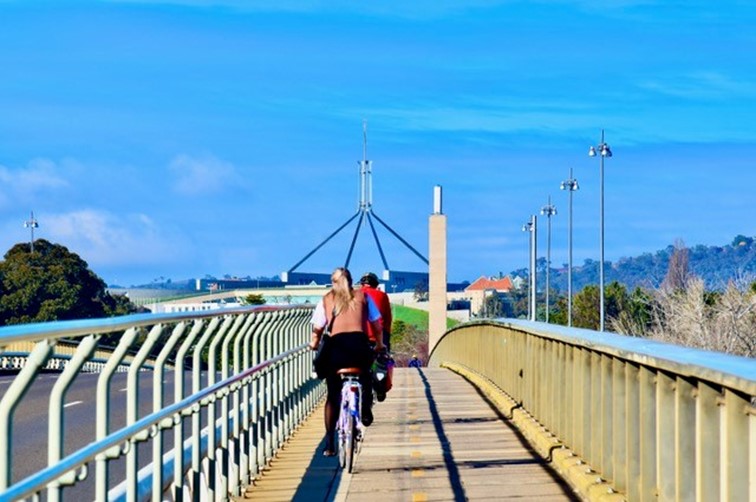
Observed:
{"x":434,"y":438}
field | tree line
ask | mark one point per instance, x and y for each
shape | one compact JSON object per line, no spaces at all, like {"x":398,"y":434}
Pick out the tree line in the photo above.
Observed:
{"x":683,"y":309}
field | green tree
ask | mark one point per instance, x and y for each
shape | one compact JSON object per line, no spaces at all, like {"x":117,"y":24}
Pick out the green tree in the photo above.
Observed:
{"x":518,"y":298}
{"x":421,"y":291}
{"x":52,"y":284}
{"x":493,"y":306}
{"x":558,"y":311}
{"x":254,"y":299}
{"x":585,"y":308}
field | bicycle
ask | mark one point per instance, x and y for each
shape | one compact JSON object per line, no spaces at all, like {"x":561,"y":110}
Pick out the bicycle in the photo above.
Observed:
{"x":349,"y":427}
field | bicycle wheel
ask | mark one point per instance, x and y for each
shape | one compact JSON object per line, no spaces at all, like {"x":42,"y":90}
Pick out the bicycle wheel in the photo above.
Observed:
{"x":342,"y":440}
{"x":349,"y":433}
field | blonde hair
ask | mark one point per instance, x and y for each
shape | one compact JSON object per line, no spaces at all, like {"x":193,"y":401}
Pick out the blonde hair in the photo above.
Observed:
{"x":341,"y":288}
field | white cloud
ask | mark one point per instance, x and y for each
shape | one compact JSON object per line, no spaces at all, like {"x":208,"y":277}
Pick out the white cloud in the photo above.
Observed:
{"x":701,"y":85}
{"x":105,"y":239}
{"x":204,"y":175}
{"x":40,"y":175}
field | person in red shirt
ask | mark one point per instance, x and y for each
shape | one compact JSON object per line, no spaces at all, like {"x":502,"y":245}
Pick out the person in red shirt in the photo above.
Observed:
{"x":369,"y":283}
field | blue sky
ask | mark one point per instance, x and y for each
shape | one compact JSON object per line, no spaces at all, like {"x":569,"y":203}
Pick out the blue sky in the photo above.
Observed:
{"x":184,"y":138}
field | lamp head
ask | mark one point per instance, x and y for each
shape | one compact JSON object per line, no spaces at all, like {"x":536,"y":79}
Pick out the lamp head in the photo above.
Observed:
{"x":605,"y":150}
{"x":591,"y":152}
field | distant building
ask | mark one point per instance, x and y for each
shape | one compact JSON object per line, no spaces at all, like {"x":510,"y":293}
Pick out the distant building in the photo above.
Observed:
{"x":396,"y":281}
{"x":227,"y":284}
{"x":305,"y":278}
{"x":485,"y":286}
{"x":518,"y":282}
{"x":393,"y":281}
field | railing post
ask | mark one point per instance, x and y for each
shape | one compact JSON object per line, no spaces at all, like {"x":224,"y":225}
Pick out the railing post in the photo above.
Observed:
{"x":737,"y":416}
{"x":685,"y":440}
{"x":178,"y":395}
{"x":632,"y":458}
{"x":157,"y":405}
{"x":268,"y":442}
{"x":36,"y":360}
{"x":255,"y":397}
{"x":246,"y":440}
{"x":196,"y":470}
{"x":238,"y":439}
{"x":647,"y":440}
{"x":55,"y":415}
{"x":665,"y":436}
{"x":103,"y":410}
{"x":228,"y":476}
{"x":708,"y":461}
{"x":132,"y":404}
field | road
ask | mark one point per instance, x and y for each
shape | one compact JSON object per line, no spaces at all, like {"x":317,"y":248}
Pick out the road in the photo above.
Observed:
{"x":30,"y":425}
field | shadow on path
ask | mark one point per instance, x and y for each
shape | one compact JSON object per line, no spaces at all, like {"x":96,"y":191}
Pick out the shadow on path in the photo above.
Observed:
{"x":537,"y":459}
{"x":321,"y":479}
{"x":451,"y":466}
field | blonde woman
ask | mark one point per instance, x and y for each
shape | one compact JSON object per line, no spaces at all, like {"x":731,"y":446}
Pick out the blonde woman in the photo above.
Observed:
{"x":351,"y":311}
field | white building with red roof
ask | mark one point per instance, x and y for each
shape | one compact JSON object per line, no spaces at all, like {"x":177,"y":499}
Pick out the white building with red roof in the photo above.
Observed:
{"x":486,"y":286}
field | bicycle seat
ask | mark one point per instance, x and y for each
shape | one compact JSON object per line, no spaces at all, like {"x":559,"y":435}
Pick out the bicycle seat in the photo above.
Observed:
{"x":349,"y":371}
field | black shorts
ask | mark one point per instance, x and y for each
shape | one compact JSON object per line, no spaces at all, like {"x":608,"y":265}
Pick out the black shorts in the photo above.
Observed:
{"x":349,"y":350}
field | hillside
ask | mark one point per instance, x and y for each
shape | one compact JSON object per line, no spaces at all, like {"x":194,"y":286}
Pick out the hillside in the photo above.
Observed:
{"x":716,"y":265}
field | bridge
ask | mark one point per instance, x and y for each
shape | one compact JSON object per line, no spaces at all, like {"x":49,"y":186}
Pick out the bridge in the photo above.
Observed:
{"x":221,"y":405}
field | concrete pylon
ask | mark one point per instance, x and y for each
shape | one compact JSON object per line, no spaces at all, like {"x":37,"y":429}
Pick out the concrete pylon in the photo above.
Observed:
{"x":436,"y":271}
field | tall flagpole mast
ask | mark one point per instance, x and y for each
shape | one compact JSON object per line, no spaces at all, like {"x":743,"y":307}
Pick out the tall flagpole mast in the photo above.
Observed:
{"x":366,"y":175}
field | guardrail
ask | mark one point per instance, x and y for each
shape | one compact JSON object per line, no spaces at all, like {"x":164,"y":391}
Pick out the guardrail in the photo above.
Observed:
{"x":620,"y":417}
{"x":14,"y":357}
{"x":250,"y":376}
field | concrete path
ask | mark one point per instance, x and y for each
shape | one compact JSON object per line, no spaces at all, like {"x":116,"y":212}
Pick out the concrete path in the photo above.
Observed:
{"x":434,"y":438}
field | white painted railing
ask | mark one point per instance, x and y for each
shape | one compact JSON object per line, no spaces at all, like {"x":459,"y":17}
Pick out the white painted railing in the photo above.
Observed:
{"x":249,"y":371}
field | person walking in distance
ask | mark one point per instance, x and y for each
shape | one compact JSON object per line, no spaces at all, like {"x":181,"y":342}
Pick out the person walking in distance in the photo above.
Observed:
{"x":369,"y":283}
{"x":349,"y":312}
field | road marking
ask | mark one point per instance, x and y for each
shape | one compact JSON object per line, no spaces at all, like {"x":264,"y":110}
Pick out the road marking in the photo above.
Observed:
{"x":419,"y":497}
{"x":73,"y":403}
{"x":415,"y":439}
{"x":124,"y":389}
{"x":417,"y":473}
{"x":416,"y":454}
{"x":414,"y":427}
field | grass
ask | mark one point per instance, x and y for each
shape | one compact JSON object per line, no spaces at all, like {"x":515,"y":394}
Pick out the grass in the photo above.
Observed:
{"x":416,"y":317}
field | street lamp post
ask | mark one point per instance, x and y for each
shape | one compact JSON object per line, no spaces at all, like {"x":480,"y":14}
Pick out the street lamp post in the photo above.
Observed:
{"x":528,"y":227}
{"x":602,"y":150}
{"x":31,"y":224}
{"x":570,"y":184}
{"x":532,"y":227}
{"x":548,"y":211}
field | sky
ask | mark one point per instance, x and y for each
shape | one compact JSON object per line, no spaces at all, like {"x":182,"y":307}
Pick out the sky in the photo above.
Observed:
{"x":186,"y":138}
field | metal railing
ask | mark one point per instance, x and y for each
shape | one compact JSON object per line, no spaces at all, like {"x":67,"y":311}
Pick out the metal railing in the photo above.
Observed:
{"x":656,"y":421}
{"x":249,"y":371}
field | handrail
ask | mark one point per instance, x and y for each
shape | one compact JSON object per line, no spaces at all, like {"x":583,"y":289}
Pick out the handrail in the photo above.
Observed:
{"x":251,"y":327}
{"x":646,"y":419}
{"x":40,"y":480}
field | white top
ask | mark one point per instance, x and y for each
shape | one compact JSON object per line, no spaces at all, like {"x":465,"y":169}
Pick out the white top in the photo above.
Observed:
{"x":319,"y":319}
